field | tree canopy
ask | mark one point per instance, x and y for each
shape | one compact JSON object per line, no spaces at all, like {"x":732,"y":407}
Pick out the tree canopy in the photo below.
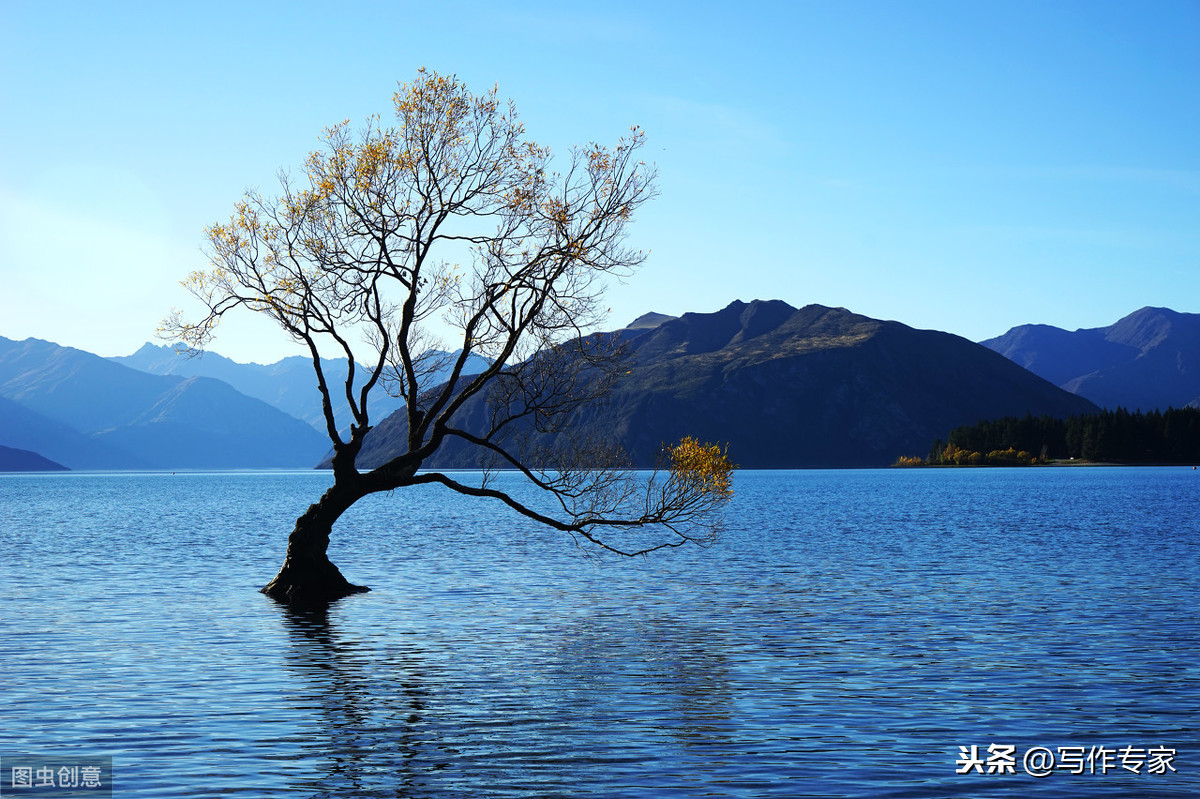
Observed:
{"x":452,"y":219}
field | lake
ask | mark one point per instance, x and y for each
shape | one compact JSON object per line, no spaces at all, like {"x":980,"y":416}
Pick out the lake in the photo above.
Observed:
{"x":848,"y":635}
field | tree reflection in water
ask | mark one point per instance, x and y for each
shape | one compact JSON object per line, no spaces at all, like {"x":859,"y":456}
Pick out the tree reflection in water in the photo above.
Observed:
{"x":370,"y":703}
{"x":525,"y":706}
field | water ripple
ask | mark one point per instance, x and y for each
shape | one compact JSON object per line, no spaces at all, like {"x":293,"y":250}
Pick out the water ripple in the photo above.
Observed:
{"x":849,"y":633}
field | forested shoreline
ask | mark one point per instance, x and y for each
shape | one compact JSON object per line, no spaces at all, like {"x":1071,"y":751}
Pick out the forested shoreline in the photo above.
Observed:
{"x":1116,"y":436}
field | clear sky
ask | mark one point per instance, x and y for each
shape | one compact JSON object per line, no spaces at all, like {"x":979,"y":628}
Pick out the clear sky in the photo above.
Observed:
{"x":965,"y":166}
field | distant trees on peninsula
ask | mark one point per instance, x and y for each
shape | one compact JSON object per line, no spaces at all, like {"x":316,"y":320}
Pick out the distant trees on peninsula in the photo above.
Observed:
{"x":1116,"y":436}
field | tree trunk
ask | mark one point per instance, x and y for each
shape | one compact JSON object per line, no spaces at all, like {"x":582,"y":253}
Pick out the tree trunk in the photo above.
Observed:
{"x":307,"y":575}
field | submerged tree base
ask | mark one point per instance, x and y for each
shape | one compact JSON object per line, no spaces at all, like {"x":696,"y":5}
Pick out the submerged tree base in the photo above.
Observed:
{"x":308,"y":576}
{"x":311,"y":585}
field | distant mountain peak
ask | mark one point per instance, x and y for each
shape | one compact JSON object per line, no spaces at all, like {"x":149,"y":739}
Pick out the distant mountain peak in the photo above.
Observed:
{"x":648,"y":320}
{"x":1147,"y":359}
{"x":1155,"y":310}
{"x":1148,"y":327}
{"x":755,"y":324}
{"x":150,"y":348}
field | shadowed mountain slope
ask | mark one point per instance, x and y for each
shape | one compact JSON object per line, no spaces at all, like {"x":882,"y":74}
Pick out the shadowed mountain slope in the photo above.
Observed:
{"x":787,"y":387}
{"x":1149,"y":359}
{"x":22,"y":460}
{"x":26,"y":429}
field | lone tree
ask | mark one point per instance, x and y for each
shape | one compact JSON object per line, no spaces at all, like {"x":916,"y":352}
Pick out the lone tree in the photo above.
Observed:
{"x":453,"y":214}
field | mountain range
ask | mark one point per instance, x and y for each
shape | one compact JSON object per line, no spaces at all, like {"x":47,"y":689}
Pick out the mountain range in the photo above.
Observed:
{"x":87,"y":412}
{"x":783,"y":386}
{"x":289,"y":384}
{"x":787,"y":387}
{"x":1148,"y":360}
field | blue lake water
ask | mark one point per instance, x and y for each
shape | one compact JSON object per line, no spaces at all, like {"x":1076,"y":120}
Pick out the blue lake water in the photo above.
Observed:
{"x":849,"y":632}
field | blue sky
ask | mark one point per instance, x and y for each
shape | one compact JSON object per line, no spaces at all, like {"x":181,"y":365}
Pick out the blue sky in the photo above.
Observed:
{"x":965,"y":166}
